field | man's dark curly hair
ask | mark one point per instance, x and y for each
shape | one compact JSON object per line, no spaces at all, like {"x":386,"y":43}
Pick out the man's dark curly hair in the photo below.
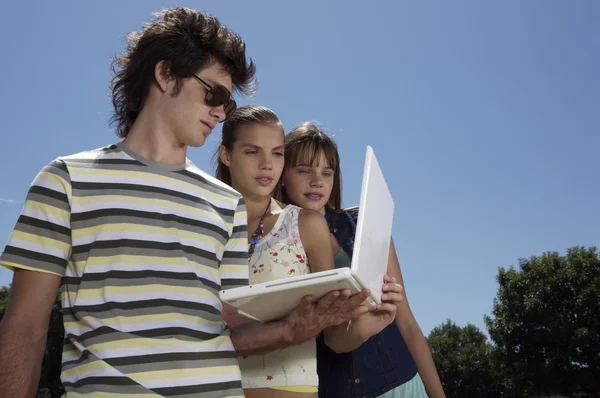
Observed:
{"x":188,"y":41}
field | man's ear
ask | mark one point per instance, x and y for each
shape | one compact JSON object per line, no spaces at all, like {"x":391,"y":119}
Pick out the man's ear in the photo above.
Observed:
{"x":224,"y":155}
{"x":162,"y":75}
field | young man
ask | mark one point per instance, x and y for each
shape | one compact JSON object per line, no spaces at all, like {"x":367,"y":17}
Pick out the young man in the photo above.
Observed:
{"x":140,"y":240}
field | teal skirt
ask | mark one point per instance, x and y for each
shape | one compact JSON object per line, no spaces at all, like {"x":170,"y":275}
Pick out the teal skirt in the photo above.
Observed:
{"x":414,"y":388}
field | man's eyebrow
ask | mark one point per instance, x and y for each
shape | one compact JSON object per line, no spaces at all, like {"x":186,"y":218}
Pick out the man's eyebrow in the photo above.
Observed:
{"x":213,"y":82}
{"x":250,"y":146}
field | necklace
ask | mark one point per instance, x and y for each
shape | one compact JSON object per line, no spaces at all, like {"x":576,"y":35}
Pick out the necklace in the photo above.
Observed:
{"x":259,"y":231}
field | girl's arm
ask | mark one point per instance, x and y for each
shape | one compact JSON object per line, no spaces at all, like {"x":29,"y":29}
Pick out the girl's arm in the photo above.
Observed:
{"x":352,"y":335}
{"x":413,"y":336}
{"x":314,"y":234}
{"x":316,"y":239}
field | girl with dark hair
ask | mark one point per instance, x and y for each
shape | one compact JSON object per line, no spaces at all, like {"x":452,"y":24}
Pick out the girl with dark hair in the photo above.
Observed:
{"x":396,"y":362}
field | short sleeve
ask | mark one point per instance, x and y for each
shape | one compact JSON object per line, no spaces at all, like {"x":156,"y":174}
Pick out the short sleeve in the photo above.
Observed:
{"x":234,"y":265}
{"x":41,"y":239}
{"x":353,"y":212}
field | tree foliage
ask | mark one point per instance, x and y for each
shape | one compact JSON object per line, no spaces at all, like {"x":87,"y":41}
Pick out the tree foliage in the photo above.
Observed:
{"x":464,"y":362}
{"x":4,"y":294}
{"x":544,"y":327}
{"x":546,"y":323}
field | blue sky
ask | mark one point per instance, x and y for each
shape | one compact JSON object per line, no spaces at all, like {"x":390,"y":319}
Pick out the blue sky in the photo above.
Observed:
{"x":484,"y":117}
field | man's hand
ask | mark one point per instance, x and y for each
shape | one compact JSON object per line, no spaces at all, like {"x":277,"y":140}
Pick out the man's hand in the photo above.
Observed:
{"x":305,"y":322}
{"x":336,"y":307}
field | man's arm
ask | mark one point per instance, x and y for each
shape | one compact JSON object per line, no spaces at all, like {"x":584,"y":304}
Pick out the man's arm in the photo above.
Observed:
{"x":37,"y":251}
{"x":250,"y":337}
{"x":256,"y":338}
{"x":23,"y":331}
{"x":302,"y":324}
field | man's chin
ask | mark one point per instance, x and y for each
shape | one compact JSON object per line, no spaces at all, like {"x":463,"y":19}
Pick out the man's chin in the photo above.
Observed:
{"x":197,"y":142}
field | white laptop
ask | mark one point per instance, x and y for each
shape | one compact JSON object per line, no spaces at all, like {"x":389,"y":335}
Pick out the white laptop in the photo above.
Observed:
{"x":276,"y":299}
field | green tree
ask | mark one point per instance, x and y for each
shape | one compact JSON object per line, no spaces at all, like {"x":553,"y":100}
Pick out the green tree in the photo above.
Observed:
{"x":4,"y":293}
{"x":463,"y":359}
{"x":546,"y":323}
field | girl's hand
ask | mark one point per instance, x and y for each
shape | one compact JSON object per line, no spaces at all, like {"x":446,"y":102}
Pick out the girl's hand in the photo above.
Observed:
{"x":373,"y":322}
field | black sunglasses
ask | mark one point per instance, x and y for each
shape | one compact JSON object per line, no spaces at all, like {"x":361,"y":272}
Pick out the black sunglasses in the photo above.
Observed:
{"x":218,"y":95}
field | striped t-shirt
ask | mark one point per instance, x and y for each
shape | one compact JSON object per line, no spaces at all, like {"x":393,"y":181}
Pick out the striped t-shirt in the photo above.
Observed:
{"x":143,"y":249}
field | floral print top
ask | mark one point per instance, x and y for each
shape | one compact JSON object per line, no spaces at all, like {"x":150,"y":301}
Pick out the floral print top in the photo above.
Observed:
{"x":280,"y":254}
